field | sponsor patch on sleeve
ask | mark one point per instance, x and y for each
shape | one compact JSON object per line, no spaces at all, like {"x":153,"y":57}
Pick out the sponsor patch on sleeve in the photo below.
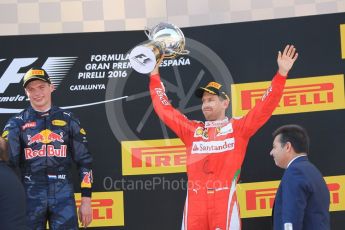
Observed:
{"x":82,"y":131}
{"x":4,"y":134}
{"x":87,"y":180}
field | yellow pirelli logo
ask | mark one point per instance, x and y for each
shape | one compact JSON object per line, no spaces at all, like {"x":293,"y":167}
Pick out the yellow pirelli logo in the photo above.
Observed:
{"x":300,"y":95}
{"x":36,"y":72}
{"x":153,"y":157}
{"x":59,"y":122}
{"x":107,"y":208}
{"x":256,"y":199}
{"x":342,"y":40}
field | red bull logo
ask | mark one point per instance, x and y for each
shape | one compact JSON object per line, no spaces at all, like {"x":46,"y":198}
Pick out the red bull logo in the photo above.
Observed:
{"x":37,"y":138}
{"x":46,"y":136}
{"x":46,"y":150}
{"x":87,"y":180}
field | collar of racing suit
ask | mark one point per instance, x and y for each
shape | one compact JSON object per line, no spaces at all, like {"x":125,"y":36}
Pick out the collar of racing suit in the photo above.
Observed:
{"x":50,"y":111}
{"x":217,"y":123}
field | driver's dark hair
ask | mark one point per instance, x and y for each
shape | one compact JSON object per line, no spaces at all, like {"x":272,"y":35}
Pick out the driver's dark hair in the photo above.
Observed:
{"x":296,"y":135}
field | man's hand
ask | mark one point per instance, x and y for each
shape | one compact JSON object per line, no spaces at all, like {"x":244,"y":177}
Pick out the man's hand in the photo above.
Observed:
{"x":156,"y":69}
{"x":286,"y":60}
{"x":85,"y":212}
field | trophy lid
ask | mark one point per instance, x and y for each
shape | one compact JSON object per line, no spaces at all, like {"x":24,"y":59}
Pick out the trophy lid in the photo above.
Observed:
{"x":170,"y":36}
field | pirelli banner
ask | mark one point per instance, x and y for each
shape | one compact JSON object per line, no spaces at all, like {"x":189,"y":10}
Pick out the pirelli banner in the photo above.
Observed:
{"x":139,"y":164}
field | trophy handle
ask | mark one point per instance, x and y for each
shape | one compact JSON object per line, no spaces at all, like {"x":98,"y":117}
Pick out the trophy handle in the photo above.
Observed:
{"x":182,"y":52}
{"x":147,"y":31}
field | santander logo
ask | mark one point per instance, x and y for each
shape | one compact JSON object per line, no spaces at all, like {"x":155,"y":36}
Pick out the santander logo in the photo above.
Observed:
{"x":201,"y":147}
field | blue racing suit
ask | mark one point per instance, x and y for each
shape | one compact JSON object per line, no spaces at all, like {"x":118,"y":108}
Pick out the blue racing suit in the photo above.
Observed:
{"x":43,"y":145}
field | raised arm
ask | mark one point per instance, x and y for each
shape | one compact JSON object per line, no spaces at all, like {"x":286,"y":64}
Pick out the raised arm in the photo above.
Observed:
{"x":264,"y":108}
{"x":173,"y":118}
{"x":286,"y":59}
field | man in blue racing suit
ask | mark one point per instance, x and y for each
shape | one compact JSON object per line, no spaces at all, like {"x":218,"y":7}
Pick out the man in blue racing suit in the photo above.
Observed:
{"x":44,"y":140}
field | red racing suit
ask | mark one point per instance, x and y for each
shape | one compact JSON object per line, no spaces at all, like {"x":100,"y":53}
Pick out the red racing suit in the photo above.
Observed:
{"x":215,"y":153}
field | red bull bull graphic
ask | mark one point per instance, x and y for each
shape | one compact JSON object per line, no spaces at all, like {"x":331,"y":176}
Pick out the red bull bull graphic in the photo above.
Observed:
{"x":37,"y":138}
{"x":46,"y":136}
{"x":87,"y":180}
{"x":55,"y":137}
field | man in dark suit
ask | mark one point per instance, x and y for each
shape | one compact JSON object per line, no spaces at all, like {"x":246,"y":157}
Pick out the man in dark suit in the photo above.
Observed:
{"x":302,"y":200}
{"x":12,"y":195}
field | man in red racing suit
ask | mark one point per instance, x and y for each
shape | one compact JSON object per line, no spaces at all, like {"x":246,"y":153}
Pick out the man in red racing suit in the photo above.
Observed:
{"x":216,"y":148}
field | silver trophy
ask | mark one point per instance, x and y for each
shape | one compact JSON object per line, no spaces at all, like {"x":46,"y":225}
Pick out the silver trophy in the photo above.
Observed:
{"x":164,"y":39}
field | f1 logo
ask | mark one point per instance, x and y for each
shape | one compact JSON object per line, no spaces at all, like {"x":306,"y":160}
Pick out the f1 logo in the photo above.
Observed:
{"x":11,"y":74}
{"x":142,"y":59}
{"x":56,"y":67}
